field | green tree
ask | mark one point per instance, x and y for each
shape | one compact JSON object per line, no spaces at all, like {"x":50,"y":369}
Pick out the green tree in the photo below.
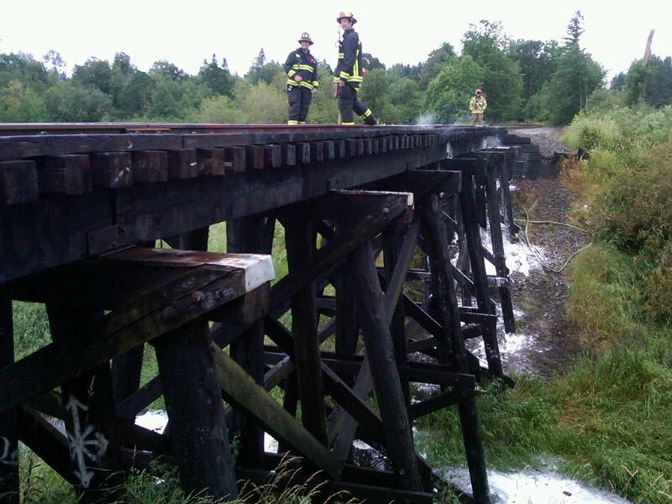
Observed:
{"x":371,"y":63}
{"x":94,"y":72}
{"x":502,"y":80}
{"x":135,"y":98}
{"x":536,"y":60}
{"x":658,"y":90}
{"x":635,"y":82}
{"x":260,"y":103}
{"x":19,"y":103}
{"x":436,"y":60}
{"x":163,"y":68}
{"x":447,"y":96}
{"x":24,"y":69}
{"x":575,"y":78}
{"x":71,"y":102}
{"x":374,"y":92}
{"x":266,"y":71}
{"x":217,"y":77}
{"x":406,"y":100}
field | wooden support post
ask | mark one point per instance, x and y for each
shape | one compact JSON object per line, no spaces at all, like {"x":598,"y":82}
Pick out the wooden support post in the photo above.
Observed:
{"x":246,"y":235}
{"x":498,"y":250}
{"x":479,"y":168}
{"x":485,"y":305}
{"x":95,"y":449}
{"x":300,"y":239}
{"x":446,"y":299}
{"x":346,"y":321}
{"x":9,"y":446}
{"x":442,"y":282}
{"x":191,"y":389}
{"x":126,"y":370}
{"x":504,"y":173}
{"x":472,"y":444}
{"x":379,"y":350}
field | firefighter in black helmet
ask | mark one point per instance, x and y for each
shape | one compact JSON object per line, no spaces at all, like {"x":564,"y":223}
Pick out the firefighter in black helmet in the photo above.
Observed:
{"x":301,"y":70}
{"x":349,"y":72}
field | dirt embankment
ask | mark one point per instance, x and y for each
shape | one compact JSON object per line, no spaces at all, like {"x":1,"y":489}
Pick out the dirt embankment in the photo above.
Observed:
{"x":542,"y":204}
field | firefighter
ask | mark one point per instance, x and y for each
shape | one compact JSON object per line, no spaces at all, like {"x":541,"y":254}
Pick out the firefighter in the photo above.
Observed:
{"x":301,"y":70}
{"x":477,"y":106}
{"x":349,"y":72}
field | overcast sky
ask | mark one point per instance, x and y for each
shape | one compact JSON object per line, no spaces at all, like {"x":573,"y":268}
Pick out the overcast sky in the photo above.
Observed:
{"x":186,"y":33}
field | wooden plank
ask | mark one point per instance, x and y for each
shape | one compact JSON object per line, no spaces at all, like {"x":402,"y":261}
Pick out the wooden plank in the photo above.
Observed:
{"x":436,"y":403}
{"x":317,"y":151}
{"x":303,"y":152}
{"x":147,"y":317}
{"x":211,"y":161}
{"x":70,"y":174}
{"x":350,"y":148}
{"x":236,"y":159}
{"x":242,"y":391}
{"x":273,"y":156}
{"x":289,"y":154}
{"x":47,"y":442}
{"x":254,"y":157}
{"x":182,"y":164}
{"x":340,"y":148}
{"x":112,"y":170}
{"x":329,"y":150}
{"x":150,"y":166}
{"x":18,"y":182}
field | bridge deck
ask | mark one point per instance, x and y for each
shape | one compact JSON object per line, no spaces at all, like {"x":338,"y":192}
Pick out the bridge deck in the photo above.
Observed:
{"x":68,"y":191}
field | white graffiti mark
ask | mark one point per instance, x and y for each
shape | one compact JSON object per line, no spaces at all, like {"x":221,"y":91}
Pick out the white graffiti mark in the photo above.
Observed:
{"x":8,"y":457}
{"x":83,"y":444}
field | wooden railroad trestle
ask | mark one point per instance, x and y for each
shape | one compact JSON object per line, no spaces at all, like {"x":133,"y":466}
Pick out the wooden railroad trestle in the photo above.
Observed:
{"x":81,"y":208}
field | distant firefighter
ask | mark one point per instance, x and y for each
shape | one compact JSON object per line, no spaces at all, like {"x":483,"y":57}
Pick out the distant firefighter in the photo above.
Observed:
{"x":477,"y":106}
{"x":301,"y":70}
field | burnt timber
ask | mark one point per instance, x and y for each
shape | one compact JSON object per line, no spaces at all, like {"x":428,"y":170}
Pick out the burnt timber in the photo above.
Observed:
{"x":82,"y":207}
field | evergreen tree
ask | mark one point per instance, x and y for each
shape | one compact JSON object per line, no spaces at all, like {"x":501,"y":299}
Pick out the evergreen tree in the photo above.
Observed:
{"x":658,"y":89}
{"x":261,"y":70}
{"x":575,"y":78}
{"x":217,"y":77}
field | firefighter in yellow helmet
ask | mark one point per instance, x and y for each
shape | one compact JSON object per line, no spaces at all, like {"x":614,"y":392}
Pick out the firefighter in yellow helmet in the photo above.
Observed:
{"x":349,"y":72}
{"x":477,"y":106}
{"x":301,"y":70}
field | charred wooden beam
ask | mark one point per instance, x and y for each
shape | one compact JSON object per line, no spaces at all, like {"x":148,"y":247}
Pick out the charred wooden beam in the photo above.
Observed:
{"x":150,"y":314}
{"x":9,"y":463}
{"x":241,"y":390}
{"x":69,"y":174}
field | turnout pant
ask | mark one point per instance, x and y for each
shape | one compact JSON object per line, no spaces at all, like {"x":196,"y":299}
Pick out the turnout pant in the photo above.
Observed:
{"x":298,"y":101}
{"x":348,"y":102}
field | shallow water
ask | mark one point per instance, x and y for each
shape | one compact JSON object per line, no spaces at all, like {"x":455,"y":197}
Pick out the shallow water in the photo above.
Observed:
{"x":535,"y":487}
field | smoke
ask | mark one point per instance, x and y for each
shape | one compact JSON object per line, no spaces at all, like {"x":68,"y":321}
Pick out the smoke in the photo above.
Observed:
{"x":426,"y":120}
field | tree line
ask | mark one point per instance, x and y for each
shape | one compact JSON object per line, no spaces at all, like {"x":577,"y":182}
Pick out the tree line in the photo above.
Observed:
{"x":523,"y":80}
